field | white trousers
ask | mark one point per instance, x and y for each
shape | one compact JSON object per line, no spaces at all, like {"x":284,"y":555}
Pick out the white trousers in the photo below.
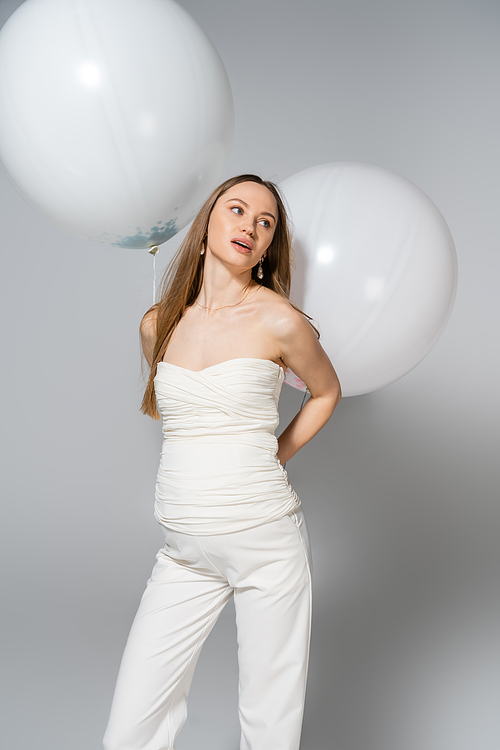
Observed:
{"x":268,"y":570}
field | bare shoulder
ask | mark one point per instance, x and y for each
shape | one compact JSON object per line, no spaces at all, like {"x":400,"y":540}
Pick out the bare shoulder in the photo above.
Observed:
{"x":281,"y":319}
{"x":148,"y":322}
{"x":148,"y":333}
{"x":299,"y":348}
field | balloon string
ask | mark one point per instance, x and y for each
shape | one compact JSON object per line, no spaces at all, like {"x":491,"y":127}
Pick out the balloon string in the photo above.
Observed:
{"x":154,"y":279}
{"x":154,"y":252}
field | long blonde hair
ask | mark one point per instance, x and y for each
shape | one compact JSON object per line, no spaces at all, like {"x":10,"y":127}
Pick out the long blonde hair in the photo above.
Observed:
{"x":183,"y":277}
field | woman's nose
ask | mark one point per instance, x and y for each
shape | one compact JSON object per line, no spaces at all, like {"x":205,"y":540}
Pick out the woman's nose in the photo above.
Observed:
{"x":246,"y":227}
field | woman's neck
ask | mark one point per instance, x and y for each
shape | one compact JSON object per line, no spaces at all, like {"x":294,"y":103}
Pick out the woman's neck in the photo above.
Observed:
{"x":222,"y":288}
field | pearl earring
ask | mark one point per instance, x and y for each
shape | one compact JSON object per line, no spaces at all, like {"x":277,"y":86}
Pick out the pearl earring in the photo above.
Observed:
{"x":203,"y":248}
{"x":260,"y":272}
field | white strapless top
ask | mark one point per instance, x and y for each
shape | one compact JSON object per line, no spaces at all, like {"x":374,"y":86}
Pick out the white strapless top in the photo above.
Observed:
{"x":219,"y":471}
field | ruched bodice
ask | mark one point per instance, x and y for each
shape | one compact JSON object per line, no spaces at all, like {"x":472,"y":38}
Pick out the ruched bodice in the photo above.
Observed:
{"x":219,"y":471}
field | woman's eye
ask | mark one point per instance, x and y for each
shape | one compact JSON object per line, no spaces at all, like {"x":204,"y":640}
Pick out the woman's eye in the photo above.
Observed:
{"x":237,"y":209}
{"x":265,"y":223}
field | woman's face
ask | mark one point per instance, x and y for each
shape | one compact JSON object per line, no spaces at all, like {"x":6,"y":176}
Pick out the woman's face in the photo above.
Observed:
{"x":242,"y":224}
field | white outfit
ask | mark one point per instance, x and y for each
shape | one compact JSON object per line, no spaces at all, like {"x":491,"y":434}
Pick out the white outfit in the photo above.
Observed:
{"x":232,"y":526}
{"x":218,"y":469}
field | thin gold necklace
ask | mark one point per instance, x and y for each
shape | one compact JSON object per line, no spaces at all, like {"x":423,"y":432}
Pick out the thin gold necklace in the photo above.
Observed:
{"x":213,"y":309}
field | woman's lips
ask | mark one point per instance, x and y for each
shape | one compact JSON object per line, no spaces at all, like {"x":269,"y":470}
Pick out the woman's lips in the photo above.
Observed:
{"x":242,"y":244}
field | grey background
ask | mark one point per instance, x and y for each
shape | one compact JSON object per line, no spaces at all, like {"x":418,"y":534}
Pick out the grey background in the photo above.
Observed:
{"x":400,"y":488}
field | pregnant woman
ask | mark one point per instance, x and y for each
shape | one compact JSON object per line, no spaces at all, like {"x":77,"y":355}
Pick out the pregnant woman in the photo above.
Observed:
{"x":218,"y":344}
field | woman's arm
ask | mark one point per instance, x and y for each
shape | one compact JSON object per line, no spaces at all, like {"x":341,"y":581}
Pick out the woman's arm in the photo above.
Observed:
{"x":302,"y":352}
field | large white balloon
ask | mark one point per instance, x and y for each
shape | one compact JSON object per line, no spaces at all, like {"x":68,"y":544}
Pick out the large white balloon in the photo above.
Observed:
{"x":116,"y":116}
{"x":376,"y":267}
